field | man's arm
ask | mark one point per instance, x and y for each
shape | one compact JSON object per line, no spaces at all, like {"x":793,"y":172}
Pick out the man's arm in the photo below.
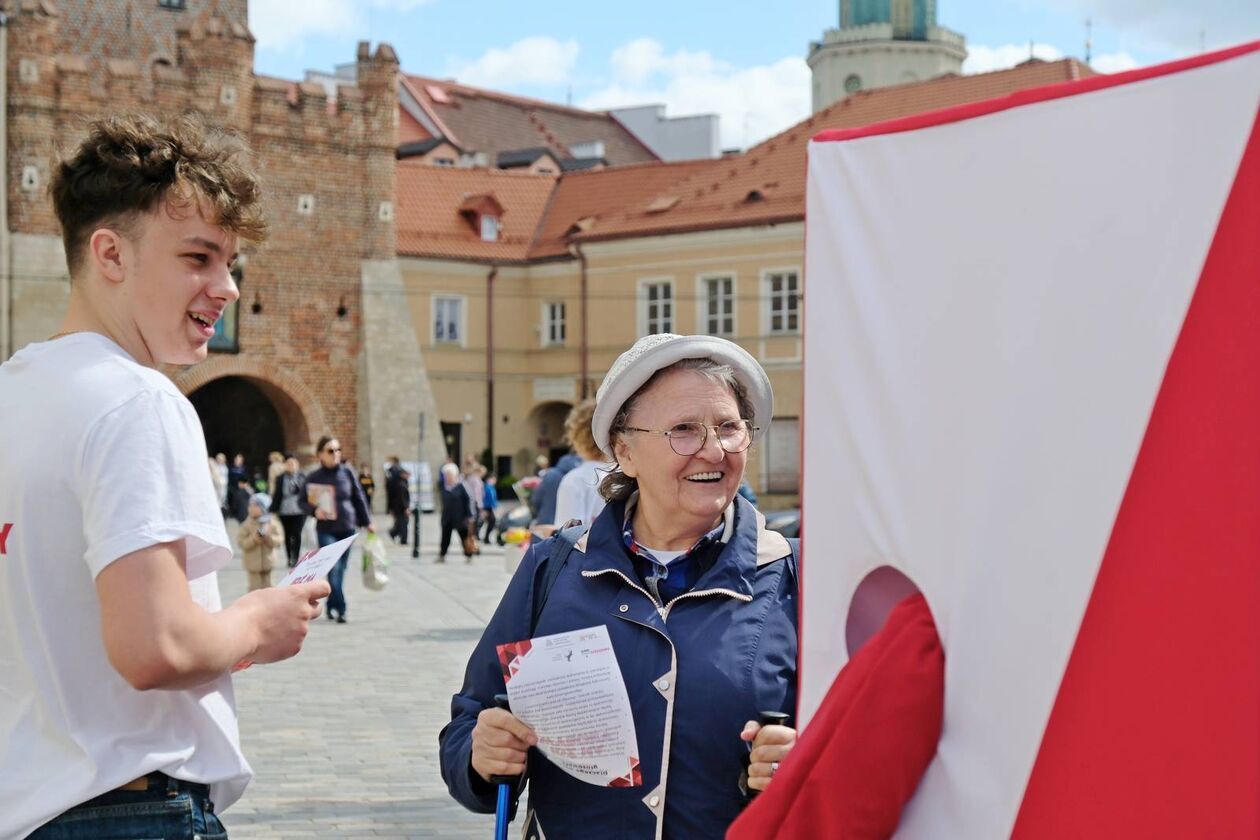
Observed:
{"x":156,"y":636}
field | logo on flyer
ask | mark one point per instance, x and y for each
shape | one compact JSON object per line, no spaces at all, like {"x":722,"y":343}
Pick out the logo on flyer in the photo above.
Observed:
{"x":4,"y":536}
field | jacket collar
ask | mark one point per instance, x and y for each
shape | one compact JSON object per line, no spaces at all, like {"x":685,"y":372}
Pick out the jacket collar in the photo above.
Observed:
{"x":748,"y":546}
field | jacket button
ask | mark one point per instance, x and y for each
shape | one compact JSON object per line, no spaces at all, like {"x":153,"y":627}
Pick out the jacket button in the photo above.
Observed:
{"x":663,"y":685}
{"x":654,"y":801}
{"x":624,"y":608}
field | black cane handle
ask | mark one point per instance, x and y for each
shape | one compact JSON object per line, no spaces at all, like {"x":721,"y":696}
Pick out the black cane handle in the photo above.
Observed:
{"x":501,"y":702}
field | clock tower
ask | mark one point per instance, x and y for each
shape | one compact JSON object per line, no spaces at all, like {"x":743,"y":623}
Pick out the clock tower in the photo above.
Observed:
{"x":881,"y":43}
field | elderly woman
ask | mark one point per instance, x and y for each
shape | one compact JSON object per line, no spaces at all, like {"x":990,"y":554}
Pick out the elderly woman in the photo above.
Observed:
{"x":698,"y":597}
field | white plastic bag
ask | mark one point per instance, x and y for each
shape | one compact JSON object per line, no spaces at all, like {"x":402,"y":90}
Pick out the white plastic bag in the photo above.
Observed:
{"x":375,"y":563}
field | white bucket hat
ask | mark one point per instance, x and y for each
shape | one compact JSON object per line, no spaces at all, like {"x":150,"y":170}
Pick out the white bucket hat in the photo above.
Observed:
{"x":654,"y":352}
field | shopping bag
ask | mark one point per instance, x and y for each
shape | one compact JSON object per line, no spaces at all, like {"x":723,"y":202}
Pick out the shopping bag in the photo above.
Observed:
{"x":375,"y":563}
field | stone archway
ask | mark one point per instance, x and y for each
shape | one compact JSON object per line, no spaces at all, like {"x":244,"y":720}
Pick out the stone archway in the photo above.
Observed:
{"x":300,"y":417}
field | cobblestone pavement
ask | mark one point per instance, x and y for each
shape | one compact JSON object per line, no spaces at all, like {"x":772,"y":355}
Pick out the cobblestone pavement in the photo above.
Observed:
{"x":343,"y":738}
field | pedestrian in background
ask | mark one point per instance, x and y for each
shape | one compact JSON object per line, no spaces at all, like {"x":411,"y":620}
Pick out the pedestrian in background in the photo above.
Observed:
{"x":476,"y":495}
{"x":577,"y":497}
{"x":219,"y":476}
{"x":398,"y":498}
{"x":237,"y":472}
{"x":368,"y":483}
{"x":456,"y":511}
{"x":339,"y":510}
{"x":261,"y":537}
{"x":287,"y":504}
{"x":275,"y":467}
{"x":489,"y":503}
{"x":544,"y":498}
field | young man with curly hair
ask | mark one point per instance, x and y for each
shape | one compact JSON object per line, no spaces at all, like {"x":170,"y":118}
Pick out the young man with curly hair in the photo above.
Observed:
{"x":117,"y":717}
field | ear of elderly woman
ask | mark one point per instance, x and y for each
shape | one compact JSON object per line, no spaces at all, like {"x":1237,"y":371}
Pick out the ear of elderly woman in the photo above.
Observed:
{"x":698,"y":598}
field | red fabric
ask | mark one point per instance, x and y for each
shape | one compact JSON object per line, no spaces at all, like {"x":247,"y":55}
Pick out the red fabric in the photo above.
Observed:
{"x":1155,"y":731}
{"x":859,"y":761}
{"x":971,"y":110}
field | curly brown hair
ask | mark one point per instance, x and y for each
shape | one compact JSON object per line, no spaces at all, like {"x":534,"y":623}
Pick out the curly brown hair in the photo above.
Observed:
{"x":577,"y":430}
{"x":129,"y":163}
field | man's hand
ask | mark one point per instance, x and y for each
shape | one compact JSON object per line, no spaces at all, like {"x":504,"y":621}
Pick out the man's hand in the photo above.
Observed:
{"x":500,"y":743}
{"x":156,"y":636}
{"x":770,"y":745}
{"x":281,"y":617}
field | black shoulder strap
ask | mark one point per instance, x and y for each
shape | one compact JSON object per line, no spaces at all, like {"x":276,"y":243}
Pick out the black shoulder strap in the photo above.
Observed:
{"x":562,"y":545}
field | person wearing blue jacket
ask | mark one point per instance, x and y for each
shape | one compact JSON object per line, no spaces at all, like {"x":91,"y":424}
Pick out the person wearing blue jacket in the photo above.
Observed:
{"x":349,"y":511}
{"x":699,"y":599}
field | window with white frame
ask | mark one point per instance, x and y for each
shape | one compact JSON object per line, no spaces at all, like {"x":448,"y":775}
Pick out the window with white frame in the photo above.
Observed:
{"x":718,"y":305}
{"x":658,"y":307}
{"x":489,"y":228}
{"x":783,"y":289}
{"x":553,"y":324}
{"x":448,"y":320}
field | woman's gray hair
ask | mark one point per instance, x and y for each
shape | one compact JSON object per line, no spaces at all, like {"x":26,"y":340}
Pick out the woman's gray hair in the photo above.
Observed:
{"x":617,"y":486}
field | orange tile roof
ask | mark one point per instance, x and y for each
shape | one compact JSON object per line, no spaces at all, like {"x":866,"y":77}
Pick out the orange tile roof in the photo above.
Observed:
{"x":492,"y":122}
{"x":429,"y":223}
{"x":409,"y":129}
{"x":764,"y":185}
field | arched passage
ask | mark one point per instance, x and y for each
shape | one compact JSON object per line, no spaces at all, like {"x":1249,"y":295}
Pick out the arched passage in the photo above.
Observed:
{"x":547,"y":422}
{"x":237,"y":415}
{"x":301,"y":418}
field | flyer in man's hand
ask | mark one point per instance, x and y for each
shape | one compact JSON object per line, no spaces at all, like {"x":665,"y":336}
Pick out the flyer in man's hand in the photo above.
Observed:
{"x":568,"y":689}
{"x":316,"y":563}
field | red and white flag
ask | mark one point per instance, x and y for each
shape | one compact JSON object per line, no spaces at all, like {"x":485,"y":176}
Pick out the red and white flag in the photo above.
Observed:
{"x":1032,"y":385}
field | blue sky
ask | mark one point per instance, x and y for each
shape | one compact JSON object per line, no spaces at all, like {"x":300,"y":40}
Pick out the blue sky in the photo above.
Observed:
{"x":743,"y":60}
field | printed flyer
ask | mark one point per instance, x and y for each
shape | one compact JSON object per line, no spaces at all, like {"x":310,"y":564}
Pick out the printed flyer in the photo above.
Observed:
{"x":569,"y":689}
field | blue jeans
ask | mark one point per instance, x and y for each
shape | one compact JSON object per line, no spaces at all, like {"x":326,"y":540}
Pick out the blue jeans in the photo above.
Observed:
{"x":337,"y":599}
{"x":169,"y":809}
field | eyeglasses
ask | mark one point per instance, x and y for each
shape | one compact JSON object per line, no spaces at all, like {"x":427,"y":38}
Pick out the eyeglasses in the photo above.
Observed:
{"x":689,"y":438}
{"x":331,"y":449}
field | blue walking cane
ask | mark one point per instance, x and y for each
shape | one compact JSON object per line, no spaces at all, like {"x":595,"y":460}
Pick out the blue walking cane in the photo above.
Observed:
{"x":503,"y":810}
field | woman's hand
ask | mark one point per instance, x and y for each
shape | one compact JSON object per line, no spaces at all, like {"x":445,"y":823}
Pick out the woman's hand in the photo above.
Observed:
{"x":770,"y":745}
{"x":500,"y":742}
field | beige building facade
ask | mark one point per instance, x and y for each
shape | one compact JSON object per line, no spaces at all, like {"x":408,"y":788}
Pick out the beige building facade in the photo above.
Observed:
{"x":519,"y":333}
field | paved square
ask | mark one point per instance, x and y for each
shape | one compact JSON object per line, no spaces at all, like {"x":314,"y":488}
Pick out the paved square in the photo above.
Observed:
{"x":375,"y":691}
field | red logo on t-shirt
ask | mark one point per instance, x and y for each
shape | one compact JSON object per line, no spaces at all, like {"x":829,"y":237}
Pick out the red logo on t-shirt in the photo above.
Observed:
{"x":4,"y":535}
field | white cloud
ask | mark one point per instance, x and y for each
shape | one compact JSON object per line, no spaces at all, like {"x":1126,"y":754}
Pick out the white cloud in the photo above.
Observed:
{"x":751,"y":102}
{"x":535,"y":60}
{"x":276,"y":27}
{"x":1113,"y":62}
{"x":982,"y":59}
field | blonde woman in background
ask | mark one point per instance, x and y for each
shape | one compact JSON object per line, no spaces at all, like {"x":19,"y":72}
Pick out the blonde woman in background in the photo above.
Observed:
{"x":578,"y":496}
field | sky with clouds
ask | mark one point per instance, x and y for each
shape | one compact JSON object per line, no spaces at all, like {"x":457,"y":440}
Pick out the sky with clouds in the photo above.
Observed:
{"x":740,"y":59}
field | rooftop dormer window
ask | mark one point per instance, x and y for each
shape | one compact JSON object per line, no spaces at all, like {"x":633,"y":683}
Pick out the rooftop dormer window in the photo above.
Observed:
{"x":484,"y":213}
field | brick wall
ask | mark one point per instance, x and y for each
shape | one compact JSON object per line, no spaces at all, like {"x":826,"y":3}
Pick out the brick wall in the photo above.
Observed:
{"x":67,"y":68}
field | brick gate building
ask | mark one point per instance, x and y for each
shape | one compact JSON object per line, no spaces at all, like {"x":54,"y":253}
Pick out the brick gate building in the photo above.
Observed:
{"x":328,"y":277}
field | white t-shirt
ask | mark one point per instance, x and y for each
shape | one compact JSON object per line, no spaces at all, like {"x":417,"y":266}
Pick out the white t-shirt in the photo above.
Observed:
{"x":100,"y":457}
{"x":578,"y":495}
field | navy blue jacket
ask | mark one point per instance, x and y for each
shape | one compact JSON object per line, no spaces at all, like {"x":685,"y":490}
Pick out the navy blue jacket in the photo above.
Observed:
{"x":544,"y":498}
{"x":352,"y":508}
{"x":696,"y":670}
